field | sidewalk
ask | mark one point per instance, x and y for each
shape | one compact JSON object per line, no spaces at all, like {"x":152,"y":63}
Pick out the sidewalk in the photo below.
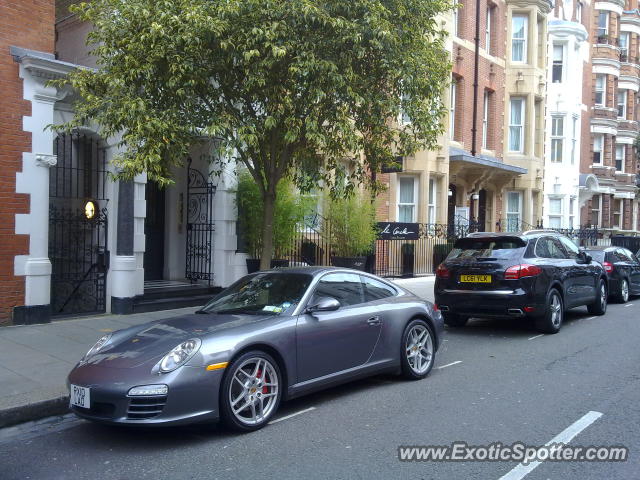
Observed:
{"x":36,"y":359}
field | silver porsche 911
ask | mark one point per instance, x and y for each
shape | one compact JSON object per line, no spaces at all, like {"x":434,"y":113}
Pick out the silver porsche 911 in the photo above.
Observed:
{"x":271,"y":336}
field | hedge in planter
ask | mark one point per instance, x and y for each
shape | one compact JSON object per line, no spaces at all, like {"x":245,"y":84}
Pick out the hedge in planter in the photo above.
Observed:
{"x":290,"y":210}
{"x":350,"y":228}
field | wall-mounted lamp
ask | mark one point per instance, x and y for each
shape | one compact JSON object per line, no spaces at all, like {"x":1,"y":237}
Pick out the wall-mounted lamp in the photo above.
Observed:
{"x":450,"y":193}
{"x":475,"y":196}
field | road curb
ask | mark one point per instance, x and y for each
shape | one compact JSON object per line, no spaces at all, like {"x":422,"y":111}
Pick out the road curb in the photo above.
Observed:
{"x":34,"y":411}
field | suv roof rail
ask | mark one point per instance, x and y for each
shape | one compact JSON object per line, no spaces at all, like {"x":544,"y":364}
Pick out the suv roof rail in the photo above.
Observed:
{"x":541,"y":230}
{"x":480,"y":234}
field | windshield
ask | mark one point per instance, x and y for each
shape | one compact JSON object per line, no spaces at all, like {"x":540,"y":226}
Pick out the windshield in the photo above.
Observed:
{"x":486,"y":248}
{"x":263,"y":293}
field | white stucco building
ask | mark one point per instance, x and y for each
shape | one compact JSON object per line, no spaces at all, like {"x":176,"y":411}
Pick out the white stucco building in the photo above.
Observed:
{"x":568,"y":55}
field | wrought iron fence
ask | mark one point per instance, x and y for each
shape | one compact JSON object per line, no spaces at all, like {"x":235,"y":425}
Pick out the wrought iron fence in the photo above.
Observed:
{"x":79,"y":261}
{"x":420,"y":254}
{"x":200,"y":226}
{"x":77,"y":233}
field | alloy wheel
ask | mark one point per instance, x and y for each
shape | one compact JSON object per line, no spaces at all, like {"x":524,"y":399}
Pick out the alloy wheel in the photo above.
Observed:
{"x":556,"y":311}
{"x":253,"y":393}
{"x":603,"y":296}
{"x":624,"y":291}
{"x":419,"y":349}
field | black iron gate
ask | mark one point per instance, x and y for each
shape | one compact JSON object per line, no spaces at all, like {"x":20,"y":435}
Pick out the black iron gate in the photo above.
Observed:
{"x":78,"y":226}
{"x":200,"y":226}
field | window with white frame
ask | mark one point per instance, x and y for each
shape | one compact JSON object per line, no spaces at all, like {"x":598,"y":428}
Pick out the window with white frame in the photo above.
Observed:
{"x":579,"y":12}
{"x":557,"y":69}
{"x":555,"y":213}
{"x":620,"y":154}
{"x":487,"y":32}
{"x":557,"y":138}
{"x":485,"y":119}
{"x":624,"y":46}
{"x":601,"y":87}
{"x":432,"y":199}
{"x":574,"y":138}
{"x":452,"y":108}
{"x":596,"y":210}
{"x":519,"y":38}
{"x":516,"y":124}
{"x":603,"y":26}
{"x":598,"y":147}
{"x":572,"y":205}
{"x":514,"y":211}
{"x":617,"y":212}
{"x":407,"y":199}
{"x":622,"y":104}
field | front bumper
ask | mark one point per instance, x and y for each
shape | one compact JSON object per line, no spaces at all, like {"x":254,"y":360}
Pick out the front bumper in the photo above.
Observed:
{"x":505,"y":304}
{"x":192,"y":395}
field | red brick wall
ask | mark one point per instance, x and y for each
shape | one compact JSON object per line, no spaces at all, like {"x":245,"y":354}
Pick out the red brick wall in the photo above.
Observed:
{"x":490,"y":77}
{"x":26,"y":24}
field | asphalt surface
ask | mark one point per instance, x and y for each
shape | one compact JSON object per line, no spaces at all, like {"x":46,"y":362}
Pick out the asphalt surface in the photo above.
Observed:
{"x":509,"y":384}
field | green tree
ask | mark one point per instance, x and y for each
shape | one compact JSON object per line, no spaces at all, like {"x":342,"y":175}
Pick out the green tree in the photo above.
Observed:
{"x":288,"y":87}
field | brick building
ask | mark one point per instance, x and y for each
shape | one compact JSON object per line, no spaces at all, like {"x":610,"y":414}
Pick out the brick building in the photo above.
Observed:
{"x":28,"y":24}
{"x":608,"y":164}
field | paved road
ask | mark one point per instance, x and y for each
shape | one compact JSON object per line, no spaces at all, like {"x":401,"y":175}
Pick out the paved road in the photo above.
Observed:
{"x":509,"y":385}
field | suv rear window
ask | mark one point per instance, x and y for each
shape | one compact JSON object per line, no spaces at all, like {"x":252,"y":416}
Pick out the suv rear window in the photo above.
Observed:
{"x":479,"y":248}
{"x":597,"y":255}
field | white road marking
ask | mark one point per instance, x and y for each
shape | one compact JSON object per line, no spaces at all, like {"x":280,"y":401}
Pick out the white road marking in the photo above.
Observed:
{"x":449,"y":364}
{"x":629,"y":305}
{"x":521,"y":470}
{"x":591,"y":318}
{"x":287,"y":417}
{"x":537,"y":336}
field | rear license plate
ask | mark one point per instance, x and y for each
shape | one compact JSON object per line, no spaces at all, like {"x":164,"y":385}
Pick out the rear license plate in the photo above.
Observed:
{"x":475,"y":278}
{"x":80,"y":396}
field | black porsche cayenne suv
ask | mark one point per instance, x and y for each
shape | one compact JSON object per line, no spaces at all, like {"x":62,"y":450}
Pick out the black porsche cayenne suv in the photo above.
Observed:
{"x":536,"y":274}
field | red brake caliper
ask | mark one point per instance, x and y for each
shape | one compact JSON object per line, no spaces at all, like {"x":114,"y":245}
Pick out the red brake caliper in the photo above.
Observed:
{"x":264,"y":389}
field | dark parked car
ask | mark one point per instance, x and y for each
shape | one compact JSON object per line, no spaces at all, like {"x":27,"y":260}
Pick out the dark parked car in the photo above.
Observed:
{"x":623,"y":270}
{"x":270,"y":336}
{"x":536,"y":274}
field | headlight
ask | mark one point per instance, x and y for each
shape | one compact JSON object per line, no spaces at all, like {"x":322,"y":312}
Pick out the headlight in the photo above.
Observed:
{"x":180,"y":355}
{"x":98,"y":346}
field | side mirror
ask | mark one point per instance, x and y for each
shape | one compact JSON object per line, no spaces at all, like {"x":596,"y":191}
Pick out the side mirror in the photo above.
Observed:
{"x":584,"y":257}
{"x":324,"y":304}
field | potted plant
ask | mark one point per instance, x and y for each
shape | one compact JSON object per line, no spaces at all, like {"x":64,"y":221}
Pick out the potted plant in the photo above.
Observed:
{"x":290,"y":209}
{"x":350,"y":229}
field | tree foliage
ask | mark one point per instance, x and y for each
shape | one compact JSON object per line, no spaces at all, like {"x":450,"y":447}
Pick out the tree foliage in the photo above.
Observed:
{"x":288,"y":87}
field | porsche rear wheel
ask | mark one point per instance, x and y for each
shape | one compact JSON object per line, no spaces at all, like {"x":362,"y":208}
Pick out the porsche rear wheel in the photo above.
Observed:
{"x":251,"y":391}
{"x":417,"y":350}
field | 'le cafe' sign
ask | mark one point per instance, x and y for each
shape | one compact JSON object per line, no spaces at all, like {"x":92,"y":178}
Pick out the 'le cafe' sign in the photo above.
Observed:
{"x":397,"y":231}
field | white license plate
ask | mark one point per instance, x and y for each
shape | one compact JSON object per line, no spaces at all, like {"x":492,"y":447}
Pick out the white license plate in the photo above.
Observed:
{"x":80,"y":396}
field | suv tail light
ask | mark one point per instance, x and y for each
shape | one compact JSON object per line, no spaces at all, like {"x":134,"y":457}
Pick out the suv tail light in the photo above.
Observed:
{"x":522,"y":270}
{"x":608,"y":266}
{"x":442,"y":271}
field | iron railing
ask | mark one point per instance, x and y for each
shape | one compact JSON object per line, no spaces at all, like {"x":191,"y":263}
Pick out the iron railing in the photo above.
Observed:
{"x":200,"y":227}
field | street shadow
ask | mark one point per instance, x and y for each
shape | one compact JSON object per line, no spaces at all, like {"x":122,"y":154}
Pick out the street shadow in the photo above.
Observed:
{"x":511,"y":327}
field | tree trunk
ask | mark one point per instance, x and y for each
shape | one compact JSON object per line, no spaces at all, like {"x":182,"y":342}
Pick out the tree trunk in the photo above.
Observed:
{"x":269,"y":202}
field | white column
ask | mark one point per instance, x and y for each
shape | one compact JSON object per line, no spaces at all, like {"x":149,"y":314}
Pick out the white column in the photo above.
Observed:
{"x":228,"y":265}
{"x":34,"y":181}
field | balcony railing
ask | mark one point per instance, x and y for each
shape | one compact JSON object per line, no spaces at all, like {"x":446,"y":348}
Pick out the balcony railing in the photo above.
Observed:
{"x":607,"y":40}
{"x":626,"y":58}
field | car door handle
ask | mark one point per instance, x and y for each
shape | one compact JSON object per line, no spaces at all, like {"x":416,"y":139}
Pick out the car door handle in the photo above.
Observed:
{"x":374,"y":321}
